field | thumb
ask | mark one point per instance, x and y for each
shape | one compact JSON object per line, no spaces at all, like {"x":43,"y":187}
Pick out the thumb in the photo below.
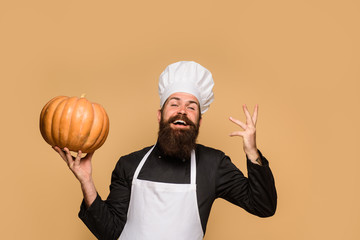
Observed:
{"x":237,"y":133}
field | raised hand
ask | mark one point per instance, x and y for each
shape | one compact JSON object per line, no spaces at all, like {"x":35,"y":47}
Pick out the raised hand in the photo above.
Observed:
{"x":248,"y":134}
{"x":82,"y":169}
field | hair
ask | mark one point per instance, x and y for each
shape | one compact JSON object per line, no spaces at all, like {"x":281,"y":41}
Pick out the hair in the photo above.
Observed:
{"x":177,"y":143}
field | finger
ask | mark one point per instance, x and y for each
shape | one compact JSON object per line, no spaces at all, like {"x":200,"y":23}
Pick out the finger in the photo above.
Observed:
{"x":78,"y":158}
{"x":69,"y":157}
{"x":237,"y":133}
{"x":60,"y":152}
{"x":254,"y":117}
{"x":247,"y":114}
{"x":237,"y":122}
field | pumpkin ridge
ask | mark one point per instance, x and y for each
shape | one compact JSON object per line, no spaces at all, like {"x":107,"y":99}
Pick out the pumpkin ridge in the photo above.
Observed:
{"x":104,"y":129}
{"x":83,"y":122}
{"x":106,"y":124}
{"x":70,"y":120}
{"x":43,"y":120}
{"x":62,"y":112}
{"x":68,"y":105}
{"x":91,"y":128}
{"x":99,"y":135}
{"x":52,"y":122}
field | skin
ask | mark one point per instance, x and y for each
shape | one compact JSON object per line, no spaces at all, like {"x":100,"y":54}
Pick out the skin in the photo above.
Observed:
{"x":82,"y":169}
{"x":177,"y":103}
{"x":181,"y":103}
{"x":248,"y":134}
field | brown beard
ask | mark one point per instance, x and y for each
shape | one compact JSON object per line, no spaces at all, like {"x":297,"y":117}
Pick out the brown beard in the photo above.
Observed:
{"x":177,"y":143}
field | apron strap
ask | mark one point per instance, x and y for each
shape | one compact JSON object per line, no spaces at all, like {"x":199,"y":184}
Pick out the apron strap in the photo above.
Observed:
{"x":193,"y":168}
{"x":142,"y":163}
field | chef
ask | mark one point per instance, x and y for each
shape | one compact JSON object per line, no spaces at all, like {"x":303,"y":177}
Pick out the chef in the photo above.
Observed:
{"x":166,"y":191}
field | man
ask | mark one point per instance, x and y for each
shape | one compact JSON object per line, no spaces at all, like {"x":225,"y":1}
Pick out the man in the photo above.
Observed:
{"x":166,"y":191}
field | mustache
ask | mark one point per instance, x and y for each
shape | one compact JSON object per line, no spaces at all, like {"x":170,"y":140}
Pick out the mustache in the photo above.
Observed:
{"x":181,"y":117}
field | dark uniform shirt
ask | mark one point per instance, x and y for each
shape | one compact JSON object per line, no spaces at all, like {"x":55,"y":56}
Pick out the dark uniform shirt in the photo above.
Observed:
{"x":216,"y":176}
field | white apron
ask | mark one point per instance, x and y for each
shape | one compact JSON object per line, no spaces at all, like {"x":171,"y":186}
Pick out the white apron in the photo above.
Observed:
{"x":163,"y":211}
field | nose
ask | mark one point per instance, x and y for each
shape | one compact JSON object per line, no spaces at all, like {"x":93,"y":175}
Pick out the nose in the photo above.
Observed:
{"x":182,"y":109}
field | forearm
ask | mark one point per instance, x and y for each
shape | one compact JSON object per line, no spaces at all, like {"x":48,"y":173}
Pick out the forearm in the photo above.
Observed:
{"x":254,"y":156}
{"x":106,"y":219}
{"x":262,"y":191}
{"x":89,"y":191}
{"x":256,"y":194}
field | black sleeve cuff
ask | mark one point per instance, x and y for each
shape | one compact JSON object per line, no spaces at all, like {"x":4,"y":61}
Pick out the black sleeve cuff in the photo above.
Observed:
{"x":264,"y":161}
{"x":84,"y":210}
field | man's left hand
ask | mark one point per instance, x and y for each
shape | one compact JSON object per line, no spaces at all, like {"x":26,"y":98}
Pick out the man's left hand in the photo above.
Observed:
{"x":249,"y":134}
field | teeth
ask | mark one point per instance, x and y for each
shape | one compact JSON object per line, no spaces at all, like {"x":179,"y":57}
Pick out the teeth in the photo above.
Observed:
{"x":179,"y":122}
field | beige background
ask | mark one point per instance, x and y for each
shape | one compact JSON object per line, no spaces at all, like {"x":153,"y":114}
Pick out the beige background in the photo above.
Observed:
{"x":299,"y":60}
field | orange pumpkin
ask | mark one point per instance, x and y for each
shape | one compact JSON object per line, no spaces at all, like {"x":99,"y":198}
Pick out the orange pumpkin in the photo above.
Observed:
{"x":74,"y":123}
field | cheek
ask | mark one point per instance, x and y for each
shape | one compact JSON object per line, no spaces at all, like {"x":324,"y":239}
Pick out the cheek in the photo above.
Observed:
{"x":194,"y":118}
{"x":167,"y":114}
{"x":171,"y":112}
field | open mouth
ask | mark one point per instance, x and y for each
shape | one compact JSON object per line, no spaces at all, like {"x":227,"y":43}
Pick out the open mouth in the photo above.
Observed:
{"x":180,"y":123}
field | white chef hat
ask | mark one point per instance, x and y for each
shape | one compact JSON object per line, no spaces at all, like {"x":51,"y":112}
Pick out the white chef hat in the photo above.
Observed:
{"x":189,"y":77}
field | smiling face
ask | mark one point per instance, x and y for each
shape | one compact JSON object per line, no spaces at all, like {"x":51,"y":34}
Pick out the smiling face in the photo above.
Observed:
{"x":179,"y":122}
{"x":181,"y":109}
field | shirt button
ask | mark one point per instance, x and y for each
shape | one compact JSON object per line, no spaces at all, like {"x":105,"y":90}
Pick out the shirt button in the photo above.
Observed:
{"x":159,"y":156}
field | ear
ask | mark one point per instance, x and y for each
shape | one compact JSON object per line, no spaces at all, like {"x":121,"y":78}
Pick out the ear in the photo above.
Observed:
{"x":200,"y":121}
{"x":159,"y":115}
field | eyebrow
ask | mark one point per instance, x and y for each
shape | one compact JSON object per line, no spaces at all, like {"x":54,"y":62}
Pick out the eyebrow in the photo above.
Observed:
{"x":178,"y":99}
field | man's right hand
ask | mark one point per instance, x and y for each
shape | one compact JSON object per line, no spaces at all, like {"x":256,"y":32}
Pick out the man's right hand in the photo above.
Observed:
{"x":82,"y":169}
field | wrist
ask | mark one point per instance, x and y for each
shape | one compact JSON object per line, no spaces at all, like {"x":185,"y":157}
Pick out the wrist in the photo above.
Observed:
{"x":253,"y":153}
{"x":86,"y":181}
{"x":254,"y":156}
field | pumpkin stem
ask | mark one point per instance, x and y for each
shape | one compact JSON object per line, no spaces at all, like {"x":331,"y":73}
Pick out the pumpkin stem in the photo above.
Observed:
{"x":83,"y":95}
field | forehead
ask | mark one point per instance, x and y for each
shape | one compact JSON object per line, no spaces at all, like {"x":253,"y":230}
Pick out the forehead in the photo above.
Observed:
{"x":181,"y":96}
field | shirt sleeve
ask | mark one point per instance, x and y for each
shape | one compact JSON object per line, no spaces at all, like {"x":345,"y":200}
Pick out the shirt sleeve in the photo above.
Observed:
{"x":255,"y":193}
{"x":106,"y":219}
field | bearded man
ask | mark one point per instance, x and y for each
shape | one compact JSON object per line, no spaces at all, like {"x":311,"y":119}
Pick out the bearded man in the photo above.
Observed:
{"x":166,"y":191}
